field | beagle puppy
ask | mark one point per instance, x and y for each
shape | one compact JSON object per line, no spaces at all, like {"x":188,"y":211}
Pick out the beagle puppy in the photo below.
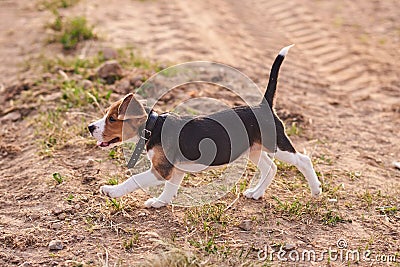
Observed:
{"x":180,"y":144}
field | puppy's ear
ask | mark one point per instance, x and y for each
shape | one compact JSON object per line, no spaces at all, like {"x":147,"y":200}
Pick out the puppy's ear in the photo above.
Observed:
{"x":130,"y":108}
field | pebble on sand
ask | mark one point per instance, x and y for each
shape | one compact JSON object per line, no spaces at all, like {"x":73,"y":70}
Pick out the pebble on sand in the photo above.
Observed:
{"x":246,"y":225}
{"x":55,"y":245}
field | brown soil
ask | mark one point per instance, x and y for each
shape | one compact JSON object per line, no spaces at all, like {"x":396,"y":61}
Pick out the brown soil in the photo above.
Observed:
{"x":342,"y":79}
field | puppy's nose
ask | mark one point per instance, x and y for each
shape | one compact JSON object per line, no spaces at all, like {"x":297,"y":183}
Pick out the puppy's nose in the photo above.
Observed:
{"x":91,"y":128}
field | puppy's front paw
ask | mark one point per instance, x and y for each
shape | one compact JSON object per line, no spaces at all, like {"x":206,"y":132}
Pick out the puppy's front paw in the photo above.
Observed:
{"x":248,"y":193}
{"x":112,"y":191}
{"x":252,"y":193}
{"x":316,"y":192}
{"x":155,"y":203}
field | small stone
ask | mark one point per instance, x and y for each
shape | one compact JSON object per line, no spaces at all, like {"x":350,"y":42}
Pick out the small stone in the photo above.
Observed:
{"x":138,"y":84}
{"x":142,"y":214}
{"x":246,"y":225}
{"x":25,"y":264}
{"x":332,"y":200}
{"x":77,"y":206}
{"x":289,"y":247}
{"x":52,"y":97}
{"x":162,"y":66}
{"x":80,"y":237}
{"x":12,"y":116}
{"x":123,"y":87}
{"x":136,"y":81}
{"x":35,"y":216}
{"x":55,"y":245}
{"x":110,"y":71}
{"x":90,"y":162}
{"x":46,"y":76}
{"x":69,"y":210}
{"x":56,"y":226}
{"x":151,"y":234}
{"x":61,"y":216}
{"x":109,"y":53}
{"x":57,"y":211}
{"x":86,"y":84}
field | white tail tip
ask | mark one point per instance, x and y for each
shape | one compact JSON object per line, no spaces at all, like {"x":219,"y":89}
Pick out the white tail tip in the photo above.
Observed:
{"x":285,"y":50}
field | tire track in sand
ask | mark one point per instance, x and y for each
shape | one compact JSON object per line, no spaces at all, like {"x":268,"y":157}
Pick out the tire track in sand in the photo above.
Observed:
{"x":339,"y":62}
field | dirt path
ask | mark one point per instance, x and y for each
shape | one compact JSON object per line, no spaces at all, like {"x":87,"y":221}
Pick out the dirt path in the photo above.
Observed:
{"x":22,"y":37}
{"x":342,"y":77}
{"x":342,"y":74}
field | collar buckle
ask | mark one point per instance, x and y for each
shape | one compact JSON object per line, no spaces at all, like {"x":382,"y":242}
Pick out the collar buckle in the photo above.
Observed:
{"x":145,"y":134}
{"x":144,"y":137}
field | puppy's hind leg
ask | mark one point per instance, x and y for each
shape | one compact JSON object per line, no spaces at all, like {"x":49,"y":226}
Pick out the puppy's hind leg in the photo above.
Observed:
{"x":169,"y":192}
{"x":135,"y":182}
{"x":267,"y":169}
{"x":303,"y":163}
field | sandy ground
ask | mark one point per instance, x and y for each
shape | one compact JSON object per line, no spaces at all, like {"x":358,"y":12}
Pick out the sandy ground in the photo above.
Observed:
{"x":342,"y":77}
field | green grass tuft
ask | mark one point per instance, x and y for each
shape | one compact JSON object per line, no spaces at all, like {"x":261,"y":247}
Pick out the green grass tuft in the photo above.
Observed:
{"x":296,"y":208}
{"x":294,"y":129}
{"x":74,"y":31}
{"x":332,"y":218}
{"x":57,"y":177}
{"x":112,"y":181}
{"x":71,"y":31}
{"x":75,"y":96}
{"x":114,"y":203}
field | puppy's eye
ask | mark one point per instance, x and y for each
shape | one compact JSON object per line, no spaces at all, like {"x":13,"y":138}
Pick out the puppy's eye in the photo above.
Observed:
{"x":112,"y":119}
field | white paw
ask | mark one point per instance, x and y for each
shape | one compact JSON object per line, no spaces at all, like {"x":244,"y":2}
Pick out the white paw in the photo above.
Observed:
{"x":155,"y":203}
{"x":253,"y":193}
{"x":316,"y":192}
{"x":248,"y":193}
{"x":112,"y":191}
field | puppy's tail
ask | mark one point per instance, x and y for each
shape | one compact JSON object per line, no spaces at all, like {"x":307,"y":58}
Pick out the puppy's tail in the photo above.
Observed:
{"x":273,"y":76}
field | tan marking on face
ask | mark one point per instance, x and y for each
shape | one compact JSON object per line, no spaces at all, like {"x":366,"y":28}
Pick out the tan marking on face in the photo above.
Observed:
{"x":123,"y":129}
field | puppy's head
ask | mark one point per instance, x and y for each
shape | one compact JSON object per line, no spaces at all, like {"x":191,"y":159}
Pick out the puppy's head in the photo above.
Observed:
{"x":122,"y":122}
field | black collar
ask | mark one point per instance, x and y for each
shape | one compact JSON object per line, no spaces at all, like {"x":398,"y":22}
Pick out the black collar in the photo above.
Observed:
{"x":144,"y":137}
